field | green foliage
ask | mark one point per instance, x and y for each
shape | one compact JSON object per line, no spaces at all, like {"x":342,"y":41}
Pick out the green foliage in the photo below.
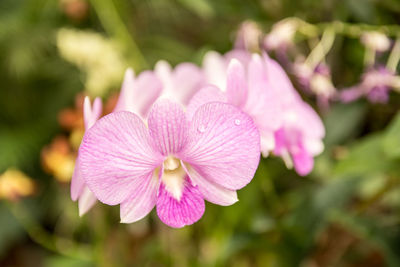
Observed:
{"x":391,"y":139}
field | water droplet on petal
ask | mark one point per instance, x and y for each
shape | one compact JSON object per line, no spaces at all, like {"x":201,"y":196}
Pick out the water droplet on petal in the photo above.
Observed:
{"x":237,"y":122}
{"x":201,"y":129}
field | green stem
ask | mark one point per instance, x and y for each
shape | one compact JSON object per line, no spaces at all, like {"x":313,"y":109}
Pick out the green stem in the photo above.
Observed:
{"x":369,"y":57}
{"x":344,"y":28}
{"x":114,"y":25}
{"x":321,"y":49}
{"x":394,"y":56}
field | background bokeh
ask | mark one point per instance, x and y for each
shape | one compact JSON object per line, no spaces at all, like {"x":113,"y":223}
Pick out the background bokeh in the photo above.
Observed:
{"x":52,"y":52}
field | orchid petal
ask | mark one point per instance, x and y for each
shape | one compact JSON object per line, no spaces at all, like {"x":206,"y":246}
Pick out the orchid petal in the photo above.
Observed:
{"x":243,"y":56}
{"x":181,"y":83}
{"x":77,"y":182}
{"x":214,"y":67}
{"x":307,"y":120}
{"x":86,"y":201}
{"x":126,"y":95}
{"x":279,"y":81}
{"x":236,"y":85}
{"x":187,"y":81}
{"x":163,"y":70}
{"x":137,"y":95}
{"x":140,"y":202}
{"x":223,"y":144}
{"x":206,"y":95}
{"x":314,"y":146}
{"x":178,"y":213}
{"x":212,"y":192}
{"x":148,"y":88}
{"x":303,"y":162}
{"x":267,"y":142}
{"x":91,"y":114}
{"x":116,"y":157}
{"x":78,"y":189}
{"x":168,"y":126}
{"x":263,"y":98}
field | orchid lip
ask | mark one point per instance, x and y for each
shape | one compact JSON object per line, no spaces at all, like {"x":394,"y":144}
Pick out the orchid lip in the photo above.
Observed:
{"x":173,"y":177}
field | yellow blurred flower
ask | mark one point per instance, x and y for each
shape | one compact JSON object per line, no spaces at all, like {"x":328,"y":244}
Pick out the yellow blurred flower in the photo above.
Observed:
{"x":58,"y":159}
{"x":15,"y":184}
{"x":100,"y":58}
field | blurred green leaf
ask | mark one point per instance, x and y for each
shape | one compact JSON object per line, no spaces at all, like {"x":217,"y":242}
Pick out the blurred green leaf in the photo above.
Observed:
{"x":200,"y":7}
{"x":61,"y":261}
{"x":374,"y":232}
{"x":366,"y":157}
{"x":391,"y":138}
{"x":10,"y":231}
{"x":343,"y":122}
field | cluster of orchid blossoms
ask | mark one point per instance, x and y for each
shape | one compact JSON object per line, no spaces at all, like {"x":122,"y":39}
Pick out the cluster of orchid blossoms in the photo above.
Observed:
{"x":313,"y":73}
{"x":180,"y":136}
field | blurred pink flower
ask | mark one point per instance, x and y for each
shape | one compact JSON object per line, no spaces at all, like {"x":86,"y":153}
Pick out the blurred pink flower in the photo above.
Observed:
{"x":244,"y":80}
{"x":281,"y":35}
{"x":180,"y":83}
{"x":260,"y":87}
{"x":248,"y":36}
{"x":300,"y":137}
{"x":316,"y":81}
{"x":173,"y":164}
{"x":375,"y":85}
{"x":138,"y":94}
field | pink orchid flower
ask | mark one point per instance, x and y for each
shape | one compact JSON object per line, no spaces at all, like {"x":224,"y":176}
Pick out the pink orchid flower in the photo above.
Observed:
{"x":244,"y":81}
{"x":173,"y":163}
{"x":375,"y":85}
{"x":299,"y":138}
{"x":79,"y":190}
{"x":259,"y":86}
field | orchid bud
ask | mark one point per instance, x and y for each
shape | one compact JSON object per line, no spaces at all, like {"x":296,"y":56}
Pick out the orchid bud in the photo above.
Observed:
{"x":376,"y":41}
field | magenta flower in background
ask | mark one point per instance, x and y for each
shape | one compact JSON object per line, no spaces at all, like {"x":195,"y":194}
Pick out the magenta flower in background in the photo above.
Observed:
{"x":260,"y":87}
{"x":79,"y":191}
{"x":316,"y":81}
{"x":173,"y":164}
{"x":181,"y":83}
{"x":375,"y":85}
{"x":244,"y":81}
{"x":178,"y":84}
{"x":138,"y":94}
{"x":248,"y":36}
{"x":300,"y":136}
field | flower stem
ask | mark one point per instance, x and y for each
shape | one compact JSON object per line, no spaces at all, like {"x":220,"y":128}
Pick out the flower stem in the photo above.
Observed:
{"x":369,"y":57}
{"x":321,"y":49}
{"x":344,"y":28}
{"x":394,"y":56}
